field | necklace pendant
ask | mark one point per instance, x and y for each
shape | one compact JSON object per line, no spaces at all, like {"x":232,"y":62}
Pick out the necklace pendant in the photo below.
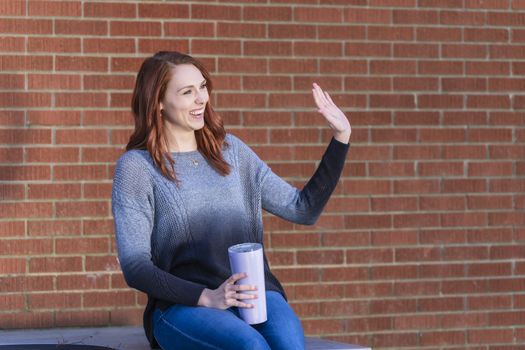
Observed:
{"x":194,"y":162}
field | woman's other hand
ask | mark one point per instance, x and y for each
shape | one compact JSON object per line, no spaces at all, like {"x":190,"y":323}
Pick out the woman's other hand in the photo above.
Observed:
{"x":228,"y":294}
{"x":337,"y":120}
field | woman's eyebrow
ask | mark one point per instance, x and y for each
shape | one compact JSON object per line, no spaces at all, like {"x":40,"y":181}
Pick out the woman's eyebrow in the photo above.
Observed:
{"x":188,"y":86}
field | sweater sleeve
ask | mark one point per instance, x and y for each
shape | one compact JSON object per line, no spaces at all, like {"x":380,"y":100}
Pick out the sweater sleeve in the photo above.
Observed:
{"x":133,"y":213}
{"x":300,"y":206}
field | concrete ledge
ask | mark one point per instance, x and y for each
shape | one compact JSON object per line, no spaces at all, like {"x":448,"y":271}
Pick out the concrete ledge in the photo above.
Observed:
{"x":122,"y":338}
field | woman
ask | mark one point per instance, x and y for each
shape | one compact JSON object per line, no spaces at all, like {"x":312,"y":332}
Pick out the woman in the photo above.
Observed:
{"x":185,"y":191}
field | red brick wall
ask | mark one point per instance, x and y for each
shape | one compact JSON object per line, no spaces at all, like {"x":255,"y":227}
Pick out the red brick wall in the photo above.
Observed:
{"x":421,"y":246}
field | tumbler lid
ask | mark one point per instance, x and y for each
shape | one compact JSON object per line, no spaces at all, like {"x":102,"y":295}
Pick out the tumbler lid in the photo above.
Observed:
{"x":244,"y":247}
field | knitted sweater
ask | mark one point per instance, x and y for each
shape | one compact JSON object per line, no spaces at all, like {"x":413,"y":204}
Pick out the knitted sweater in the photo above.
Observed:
{"x":173,"y":239}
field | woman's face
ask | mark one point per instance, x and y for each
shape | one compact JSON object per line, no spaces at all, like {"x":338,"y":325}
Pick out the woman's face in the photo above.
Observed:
{"x":185,"y":98}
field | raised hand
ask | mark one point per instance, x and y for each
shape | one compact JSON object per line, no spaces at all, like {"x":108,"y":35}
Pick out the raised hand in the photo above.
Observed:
{"x":228,"y":294}
{"x":336,"y":119}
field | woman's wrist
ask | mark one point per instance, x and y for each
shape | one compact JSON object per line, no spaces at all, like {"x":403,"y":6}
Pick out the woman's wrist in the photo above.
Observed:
{"x":343,"y":137}
{"x":204,"y":299}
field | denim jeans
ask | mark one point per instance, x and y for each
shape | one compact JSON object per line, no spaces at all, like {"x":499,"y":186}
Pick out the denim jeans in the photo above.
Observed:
{"x":194,"y":327}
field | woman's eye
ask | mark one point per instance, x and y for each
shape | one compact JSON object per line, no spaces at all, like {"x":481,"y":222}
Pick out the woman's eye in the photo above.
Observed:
{"x":187,"y":92}
{"x":203,"y":86}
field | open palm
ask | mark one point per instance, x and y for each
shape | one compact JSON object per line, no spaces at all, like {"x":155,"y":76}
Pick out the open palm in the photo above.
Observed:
{"x":336,"y":119}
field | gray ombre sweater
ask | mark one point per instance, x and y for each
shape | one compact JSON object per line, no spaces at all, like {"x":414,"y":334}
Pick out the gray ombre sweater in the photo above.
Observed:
{"x":173,"y":240}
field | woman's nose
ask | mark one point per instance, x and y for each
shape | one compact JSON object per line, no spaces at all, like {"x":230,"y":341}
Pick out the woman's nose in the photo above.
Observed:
{"x":201,"y":97}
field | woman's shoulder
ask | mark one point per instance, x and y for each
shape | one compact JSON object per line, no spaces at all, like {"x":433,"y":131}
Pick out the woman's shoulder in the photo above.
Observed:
{"x":135,"y":160}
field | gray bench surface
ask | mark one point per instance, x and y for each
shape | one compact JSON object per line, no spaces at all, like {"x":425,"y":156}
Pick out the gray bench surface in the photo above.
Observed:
{"x":122,"y":338}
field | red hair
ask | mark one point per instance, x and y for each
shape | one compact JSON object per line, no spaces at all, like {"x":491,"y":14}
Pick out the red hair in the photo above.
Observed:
{"x":150,"y":132}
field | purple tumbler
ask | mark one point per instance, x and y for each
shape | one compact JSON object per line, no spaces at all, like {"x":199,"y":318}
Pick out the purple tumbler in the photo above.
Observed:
{"x":248,"y":257}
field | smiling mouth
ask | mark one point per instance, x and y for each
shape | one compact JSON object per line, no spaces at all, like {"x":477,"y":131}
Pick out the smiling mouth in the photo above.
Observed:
{"x":198,"y":113}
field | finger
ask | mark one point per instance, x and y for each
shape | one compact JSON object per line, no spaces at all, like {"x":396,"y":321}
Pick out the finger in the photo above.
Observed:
{"x":244,"y":287}
{"x":317,"y":98}
{"x":322,"y":97}
{"x":238,"y":276}
{"x":243,"y":305}
{"x":329,"y":98}
{"x":241,"y":296}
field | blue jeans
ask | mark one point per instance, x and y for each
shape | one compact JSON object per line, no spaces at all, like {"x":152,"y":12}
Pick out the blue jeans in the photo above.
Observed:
{"x":194,"y":327}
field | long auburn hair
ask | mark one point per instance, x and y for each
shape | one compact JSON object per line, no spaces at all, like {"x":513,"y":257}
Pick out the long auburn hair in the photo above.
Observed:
{"x":150,"y":132}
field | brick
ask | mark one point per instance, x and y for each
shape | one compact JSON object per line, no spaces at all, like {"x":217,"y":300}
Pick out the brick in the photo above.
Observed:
{"x":269,"y":48}
{"x":291,"y":31}
{"x":394,"y":33}
{"x":110,"y":298}
{"x":488,"y":68}
{"x":440,"y":3}
{"x":416,"y":220}
{"x":344,"y":239}
{"x":155,"y":45}
{"x":440,"y":67}
{"x":416,"y":118}
{"x":209,"y":12}
{"x":12,"y":266}
{"x":443,"y":101}
{"x":464,"y":151}
{"x":464,"y":51}
{"x":11,"y":155}
{"x":74,"y":63}
{"x":444,"y":303}
{"x":392,"y":169}
{"x":98,"y":226}
{"x":392,"y":306}
{"x":102,"y":263}
{"x":26,"y":320}
{"x":81,"y":27}
{"x":484,"y":101}
{"x":489,"y":302}
{"x":314,"y":291}
{"x":25,"y":99}
{"x":490,"y":336}
{"x":375,"y":16}
{"x":12,"y":44}
{"x":109,"y":82}
{"x":392,"y":67}
{"x":110,"y":9}
{"x":341,"y":308}
{"x":134,"y":28}
{"x":438,"y":34}
{"x":464,"y":84}
{"x":440,"y":169}
{"x":506,"y":52}
{"x":54,"y":227}
{"x":368,"y":84}
{"x":417,"y":322}
{"x":406,"y":339}
{"x":492,"y":269}
{"x":81,"y":209}
{"x":512,"y":19}
{"x":246,"y":65}
{"x":421,"y":152}
{"x":336,"y":66}
{"x":465,"y":118}
{"x":54,"y":82}
{"x":416,"y":186}
{"x":108,"y":45}
{"x":85,"y":136}
{"x":467,"y":219}
{"x":226,"y":47}
{"x":316,"y":14}
{"x":393,"y":272}
{"x":518,"y":36}
{"x":317,"y":49}
{"x":55,"y":9}
{"x":53,"y":117}
{"x":442,"y":236}
{"x":506,"y":118}
{"x":59,"y":264}
{"x":416,"y":84}
{"x":416,"y":50}
{"x":25,"y":173}
{"x":353,"y":32}
{"x":368,"y":221}
{"x":368,"y":49}
{"x":464,"y":185}
{"x":518,"y":4}
{"x":486,"y":35}
{"x":462,"y":18}
{"x":442,"y":337}
{"x":26,"y":26}
{"x":416,"y":288}
{"x":12,"y":192}
{"x":54,"y":301}
{"x":344,"y":273}
{"x":26,"y":246}
{"x":53,"y":191}
{"x":489,"y":135}
{"x":415,"y":17}
{"x":392,"y":101}
{"x":81,"y":245}
{"x":181,"y":29}
{"x":163,"y":11}
{"x":101,"y":191}
{"x":320,"y":257}
{"x":13,"y":8}
{"x":126,"y":317}
{"x":269,"y":13}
